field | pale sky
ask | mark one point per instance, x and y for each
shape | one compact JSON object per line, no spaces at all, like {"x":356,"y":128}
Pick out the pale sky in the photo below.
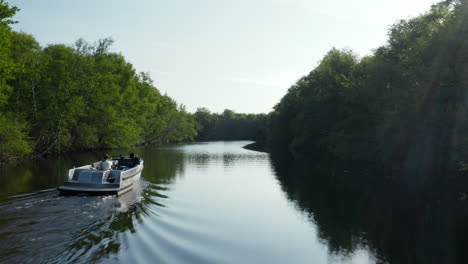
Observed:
{"x":241,"y":55}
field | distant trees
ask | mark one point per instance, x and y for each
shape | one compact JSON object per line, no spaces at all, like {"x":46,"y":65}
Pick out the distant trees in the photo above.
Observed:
{"x":61,"y":98}
{"x":207,"y":122}
{"x":405,"y":102}
{"x":230,"y":125}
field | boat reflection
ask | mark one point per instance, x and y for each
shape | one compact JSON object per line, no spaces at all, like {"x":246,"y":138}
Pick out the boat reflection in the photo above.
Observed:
{"x":84,"y":228}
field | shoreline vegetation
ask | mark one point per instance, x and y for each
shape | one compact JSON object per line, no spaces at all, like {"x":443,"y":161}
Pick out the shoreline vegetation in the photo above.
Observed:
{"x":404,"y":105}
{"x":383,"y":138}
{"x":381,"y":141}
{"x":257,"y":147}
{"x":63,"y":98}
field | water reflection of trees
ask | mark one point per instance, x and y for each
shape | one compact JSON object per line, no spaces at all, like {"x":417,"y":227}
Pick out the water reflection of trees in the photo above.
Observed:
{"x":228,"y":159}
{"x":34,"y":175}
{"x":104,"y":238}
{"x":162,"y":165}
{"x":401,"y":220}
{"x":69,"y":218}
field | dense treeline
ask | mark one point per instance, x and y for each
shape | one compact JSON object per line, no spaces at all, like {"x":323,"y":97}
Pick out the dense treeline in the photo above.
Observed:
{"x":375,"y":142}
{"x":406,"y":102}
{"x":61,"y":98}
{"x":379,"y":144}
{"x":230,"y":125}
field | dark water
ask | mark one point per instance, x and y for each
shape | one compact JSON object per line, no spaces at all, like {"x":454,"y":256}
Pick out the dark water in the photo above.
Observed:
{"x":214,"y":203}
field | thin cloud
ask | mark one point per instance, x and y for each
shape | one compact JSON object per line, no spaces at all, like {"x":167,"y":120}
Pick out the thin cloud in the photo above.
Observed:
{"x":279,"y":80}
{"x":251,"y":81}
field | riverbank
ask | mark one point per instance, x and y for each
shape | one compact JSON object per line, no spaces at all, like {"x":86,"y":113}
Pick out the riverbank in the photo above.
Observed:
{"x":260,"y":147}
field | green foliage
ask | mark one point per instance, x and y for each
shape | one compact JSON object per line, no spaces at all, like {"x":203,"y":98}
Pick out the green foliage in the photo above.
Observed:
{"x":207,"y":122}
{"x":406,"y":102}
{"x":14,"y":140}
{"x":88,"y":98}
{"x":6,"y":13}
{"x":230,"y":125}
{"x":78,"y":97}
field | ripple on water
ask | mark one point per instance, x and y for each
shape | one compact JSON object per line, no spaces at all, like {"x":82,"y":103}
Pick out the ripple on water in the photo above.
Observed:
{"x":69,"y":227}
{"x":170,"y":244}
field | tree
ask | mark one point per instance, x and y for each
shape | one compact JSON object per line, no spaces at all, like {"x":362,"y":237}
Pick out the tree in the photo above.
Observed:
{"x":14,"y":141}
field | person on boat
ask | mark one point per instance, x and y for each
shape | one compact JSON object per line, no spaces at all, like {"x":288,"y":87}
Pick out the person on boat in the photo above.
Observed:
{"x":106,"y":163}
{"x":134,"y":160}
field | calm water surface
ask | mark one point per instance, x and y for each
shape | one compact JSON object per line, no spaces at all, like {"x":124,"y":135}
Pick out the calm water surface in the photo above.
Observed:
{"x":198,"y":203}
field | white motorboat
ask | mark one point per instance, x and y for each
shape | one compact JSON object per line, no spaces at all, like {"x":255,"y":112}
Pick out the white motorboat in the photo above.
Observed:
{"x":91,"y":180}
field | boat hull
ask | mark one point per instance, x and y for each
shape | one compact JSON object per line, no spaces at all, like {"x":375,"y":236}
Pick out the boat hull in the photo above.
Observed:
{"x":87,"y":180}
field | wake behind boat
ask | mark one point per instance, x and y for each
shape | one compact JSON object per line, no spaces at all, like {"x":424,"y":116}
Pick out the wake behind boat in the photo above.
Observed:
{"x":92,"y":179}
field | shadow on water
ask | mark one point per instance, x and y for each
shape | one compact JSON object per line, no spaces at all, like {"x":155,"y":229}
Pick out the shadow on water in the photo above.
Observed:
{"x":76,"y":229}
{"x":73,"y":228}
{"x":354,"y":207}
{"x":401,"y":220}
{"x":38,"y":175}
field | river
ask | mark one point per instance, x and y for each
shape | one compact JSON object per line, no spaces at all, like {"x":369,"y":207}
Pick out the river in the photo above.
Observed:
{"x":211,"y":202}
